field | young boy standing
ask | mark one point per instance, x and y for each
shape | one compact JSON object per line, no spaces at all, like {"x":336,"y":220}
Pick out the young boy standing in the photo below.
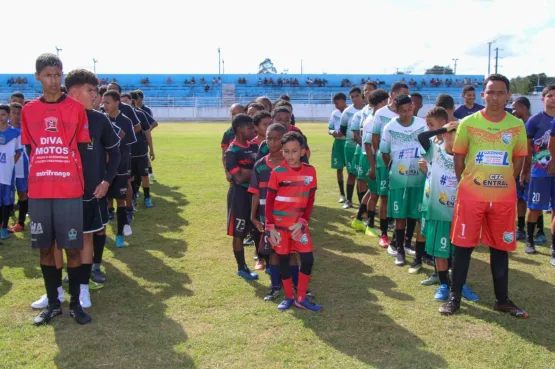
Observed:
{"x":338,"y":148}
{"x":21,"y":173}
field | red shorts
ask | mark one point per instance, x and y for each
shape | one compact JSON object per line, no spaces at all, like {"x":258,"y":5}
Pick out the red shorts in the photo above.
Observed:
{"x":493,"y":221}
{"x":289,"y":245}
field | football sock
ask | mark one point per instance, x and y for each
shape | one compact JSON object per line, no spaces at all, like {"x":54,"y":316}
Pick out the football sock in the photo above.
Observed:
{"x":5,"y":216}
{"x":383,"y":226}
{"x":150,"y":170}
{"x":85,"y":273}
{"x":540,"y":224}
{"x":303,"y":286}
{"x":361,"y":211}
{"x":521,"y":222}
{"x":294,"y":272}
{"x":98,"y":246}
{"x":350,"y":190}
{"x":411,"y":225}
{"x":74,"y":284}
{"x":360,"y":196}
{"x":419,"y":248}
{"x":371,"y":217}
{"x":341,"y":185}
{"x":399,"y":237}
{"x":443,"y":277}
{"x":553,"y":242}
{"x":59,"y":278}
{"x":288,"y":288}
{"x":530,"y":232}
{"x":499,"y":262}
{"x":240,"y":258}
{"x":461,"y":263}
{"x":122,"y":219}
{"x":275,"y":277}
{"x":23,"y":209}
{"x":50,"y":283}
{"x":146,"y":190}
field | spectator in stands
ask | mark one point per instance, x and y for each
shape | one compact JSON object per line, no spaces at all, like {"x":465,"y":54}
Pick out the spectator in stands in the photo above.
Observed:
{"x":24,"y":80}
{"x":271,"y":81}
{"x":296,"y":83}
{"x":214,"y":81}
{"x":11,"y":81}
{"x":416,"y":100}
{"x":280,"y":82}
{"x":362,"y":81}
{"x":206,"y":88}
{"x":259,"y":81}
{"x":169,"y":81}
{"x":432,"y":83}
{"x":193,"y":81}
{"x":423,"y":83}
{"x":202,"y":81}
{"x":220,"y":80}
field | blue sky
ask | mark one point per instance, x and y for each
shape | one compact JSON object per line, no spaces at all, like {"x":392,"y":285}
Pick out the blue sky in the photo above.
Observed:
{"x":357,"y":36}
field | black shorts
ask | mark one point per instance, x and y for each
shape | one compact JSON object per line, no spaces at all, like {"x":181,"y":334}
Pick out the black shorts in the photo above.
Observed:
{"x":59,"y":220}
{"x":139,"y":166}
{"x":95,"y":215}
{"x":118,"y":188}
{"x":238,"y":211}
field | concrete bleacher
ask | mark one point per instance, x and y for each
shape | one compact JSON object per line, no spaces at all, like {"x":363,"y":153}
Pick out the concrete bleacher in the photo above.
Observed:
{"x":161,"y":93}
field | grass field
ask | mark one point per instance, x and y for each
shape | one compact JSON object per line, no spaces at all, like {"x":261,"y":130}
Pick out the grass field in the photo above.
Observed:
{"x":172,"y":299}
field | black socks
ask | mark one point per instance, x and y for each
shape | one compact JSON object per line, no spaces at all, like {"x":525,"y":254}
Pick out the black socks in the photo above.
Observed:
{"x":341,"y":185}
{"x":240,"y":258}
{"x":383,"y":226}
{"x":74,"y":284}
{"x":23,"y":209}
{"x":49,"y":274}
{"x":530,"y":228}
{"x":371,"y":218}
{"x":361,"y":211}
{"x":98,"y":245}
{"x":350,"y":190}
{"x":146,"y":190}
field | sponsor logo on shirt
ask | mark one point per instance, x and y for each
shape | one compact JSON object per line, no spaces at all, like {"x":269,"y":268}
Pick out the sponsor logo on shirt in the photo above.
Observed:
{"x":445,"y":200}
{"x":72,"y":235}
{"x":411,"y":171}
{"x":506,"y":138}
{"x":308,"y":180}
{"x":51,"y":124}
{"x":493,"y":158}
{"x":36,"y":228}
{"x":493,"y":181}
{"x":508,"y":237}
{"x":427,"y":193}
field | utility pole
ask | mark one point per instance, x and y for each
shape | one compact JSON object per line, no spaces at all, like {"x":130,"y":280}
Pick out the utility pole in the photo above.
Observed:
{"x":489,"y":56}
{"x":219,"y":61}
{"x":94,"y":64}
{"x":455,"y":61}
{"x":223,"y":66}
{"x":58,"y":51}
{"x":497,"y":58}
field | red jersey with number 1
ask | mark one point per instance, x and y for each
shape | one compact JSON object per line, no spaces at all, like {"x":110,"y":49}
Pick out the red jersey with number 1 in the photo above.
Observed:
{"x":53,"y":131}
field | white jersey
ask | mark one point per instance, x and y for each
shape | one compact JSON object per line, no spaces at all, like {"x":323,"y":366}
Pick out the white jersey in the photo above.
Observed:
{"x":347,"y":121}
{"x":334,"y":124}
{"x":367,"y":133}
{"x":10,"y":144}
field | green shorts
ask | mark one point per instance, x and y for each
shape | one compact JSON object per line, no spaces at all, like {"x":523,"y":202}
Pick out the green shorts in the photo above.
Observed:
{"x":405,"y":203}
{"x":349,"y":155}
{"x":338,"y":154}
{"x":423,"y":222}
{"x":363,"y":169}
{"x":438,"y":241}
{"x":355,"y":163}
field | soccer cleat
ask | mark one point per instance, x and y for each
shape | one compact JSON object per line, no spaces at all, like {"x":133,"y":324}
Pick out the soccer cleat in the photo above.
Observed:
{"x":429,"y":260}
{"x":127,"y":231}
{"x":97,"y":276}
{"x":384,"y":241}
{"x":392,"y":251}
{"x":81,"y":317}
{"x":347,"y":204}
{"x":540,"y":239}
{"x":152,"y":177}
{"x":529,"y":249}
{"x":16,"y":228}
{"x":119,"y":241}
{"x":431,"y":280}
{"x":410,"y":251}
{"x":468,"y":294}
{"x":371,"y":232}
{"x":520,"y":235}
{"x":357,"y":225}
{"x":260,"y":265}
{"x":93,"y":286}
{"x":553,"y":261}
{"x":4,"y":235}
{"x":85,"y":296}
{"x":148,"y":203}
{"x":306,"y":304}
{"x":286,"y":304}
{"x":400,"y":259}
{"x":247,"y":274}
{"x":50,"y":312}
{"x":511,"y":308}
{"x":442,"y":293}
{"x":42,"y":303}
{"x":451,"y":306}
{"x":342,"y":199}
{"x":248,"y":241}
{"x":415,"y":266}
{"x":273,"y":293}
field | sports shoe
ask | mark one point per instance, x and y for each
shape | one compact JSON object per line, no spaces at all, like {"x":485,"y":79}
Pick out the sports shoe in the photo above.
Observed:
{"x":247,"y":274}
{"x":392,"y":251}
{"x":306,"y":304}
{"x":119,"y":241}
{"x":248,"y":241}
{"x":358,"y":225}
{"x":347,"y":204}
{"x":384,"y":241}
{"x":16,"y":228}
{"x":451,"y":306}
{"x":442,"y":293}
{"x":553,"y":261}
{"x":431,"y":280}
{"x":520,"y":235}
{"x":371,"y":232}
{"x":342,"y":199}
{"x":152,"y":177}
{"x":93,"y":286}
{"x":81,"y":317}
{"x":410,"y":251}
{"x":42,"y":303}
{"x":273,"y":293}
{"x":399,"y":259}
{"x":540,"y":239}
{"x":415,"y":266}
{"x":50,"y":312}
{"x":97,"y":276}
{"x":429,"y":260}
{"x":127,"y":231}
{"x":260,"y":265}
{"x":4,"y":235}
{"x":85,"y":296}
{"x":148,"y":203}
{"x":511,"y":308}
{"x":286,"y":304}
{"x":529,"y":249}
{"x":468,"y":294}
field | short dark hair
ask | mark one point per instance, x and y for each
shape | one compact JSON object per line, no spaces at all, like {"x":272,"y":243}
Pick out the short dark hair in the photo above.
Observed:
{"x":257,"y":106}
{"x":280,"y":109}
{"x":445,"y":101}
{"x":80,"y":77}
{"x":339,"y":96}
{"x":63,"y":89}
{"x":240,"y":120}
{"x":115,"y":84}
{"x":397,"y":86}
{"x":468,"y":89}
{"x":499,"y":78}
{"x":133,"y":95}
{"x":402,"y":100}
{"x":293,"y":136}
{"x":127,"y":95}
{"x":140,"y":94}
{"x":377,"y":96}
{"x":102,"y":90}
{"x":522,"y":100}
{"x":265,"y":99}
{"x":5,"y":107}
{"x":438,"y":112}
{"x":18,"y":95}
{"x":276,"y":127}
{"x":16,"y":105}
{"x":548,"y":88}
{"x":354,"y":90}
{"x":113,"y":94}
{"x":285,"y":97}
{"x":261,"y":115}
{"x":373,"y":84}
{"x":283,"y":103}
{"x":48,"y":60}
{"x":416,"y":94}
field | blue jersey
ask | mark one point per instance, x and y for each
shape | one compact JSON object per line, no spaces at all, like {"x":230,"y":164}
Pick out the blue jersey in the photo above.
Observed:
{"x":10,"y":144}
{"x":538,"y":129}
{"x":462,"y":111}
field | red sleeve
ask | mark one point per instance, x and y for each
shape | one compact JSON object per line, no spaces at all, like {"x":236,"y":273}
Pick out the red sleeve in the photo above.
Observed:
{"x":25,"y":137}
{"x":311,"y":197}
{"x":269,"y":210}
{"x":83,"y":126}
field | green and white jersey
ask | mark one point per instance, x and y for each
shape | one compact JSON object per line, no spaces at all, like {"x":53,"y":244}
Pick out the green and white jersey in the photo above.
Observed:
{"x":381,"y":118}
{"x":367,"y":132}
{"x":334,"y":123}
{"x":441,"y":191}
{"x":401,"y":142}
{"x":347,"y":121}
{"x":356,"y":126}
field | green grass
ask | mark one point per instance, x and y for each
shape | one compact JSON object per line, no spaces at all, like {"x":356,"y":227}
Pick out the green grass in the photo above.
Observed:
{"x":172,"y":299}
